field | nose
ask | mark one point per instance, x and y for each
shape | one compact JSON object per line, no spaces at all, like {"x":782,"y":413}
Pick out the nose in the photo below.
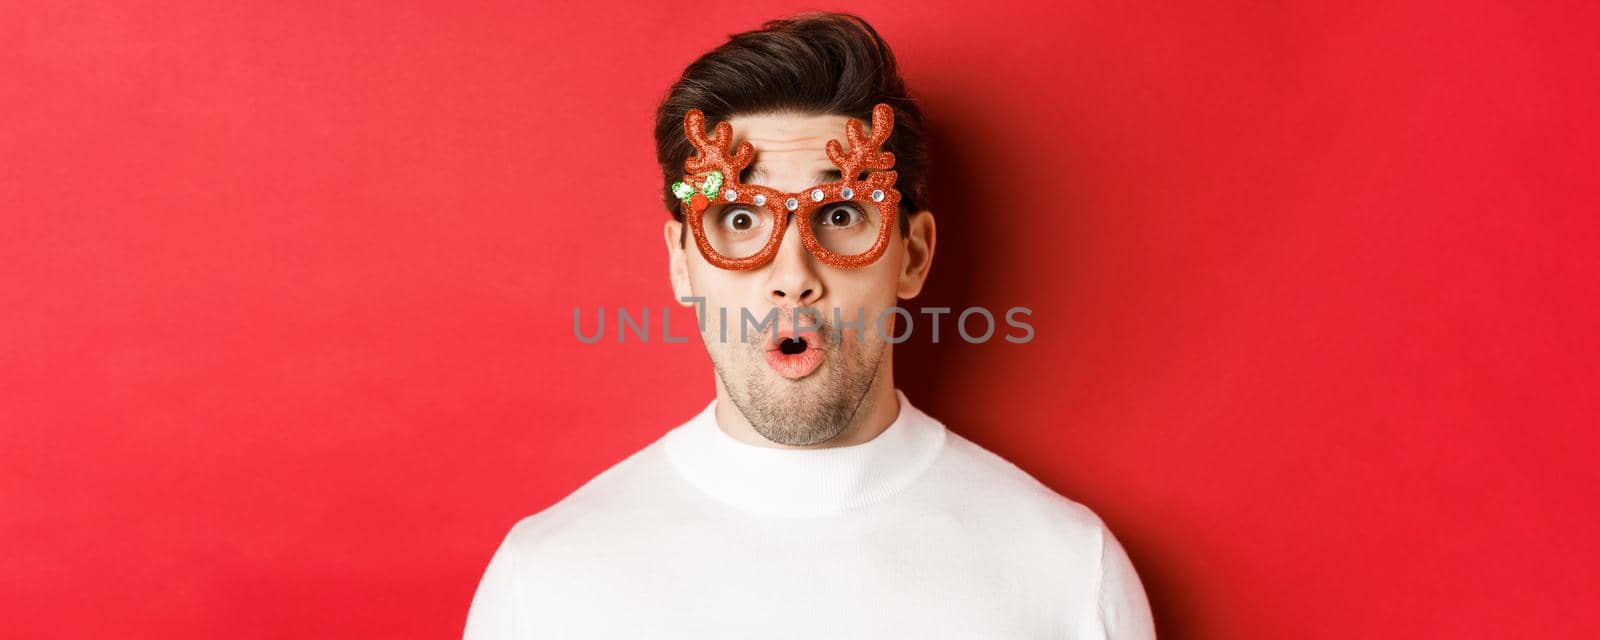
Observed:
{"x":793,"y":280}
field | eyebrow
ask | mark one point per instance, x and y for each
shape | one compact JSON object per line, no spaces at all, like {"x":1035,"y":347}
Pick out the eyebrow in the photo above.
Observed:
{"x":822,"y":177}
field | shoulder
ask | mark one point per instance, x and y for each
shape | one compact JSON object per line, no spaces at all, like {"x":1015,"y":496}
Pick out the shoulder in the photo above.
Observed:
{"x":1057,"y":546}
{"x":999,"y":491}
{"x":627,"y":490}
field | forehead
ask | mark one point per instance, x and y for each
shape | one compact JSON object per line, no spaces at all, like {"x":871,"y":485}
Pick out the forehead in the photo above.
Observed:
{"x":790,"y":147}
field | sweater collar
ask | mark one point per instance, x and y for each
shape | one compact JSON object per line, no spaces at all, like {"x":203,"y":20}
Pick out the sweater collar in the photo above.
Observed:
{"x":804,"y":482}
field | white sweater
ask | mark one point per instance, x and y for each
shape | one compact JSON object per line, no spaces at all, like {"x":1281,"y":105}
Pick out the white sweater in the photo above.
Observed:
{"x":917,"y":533}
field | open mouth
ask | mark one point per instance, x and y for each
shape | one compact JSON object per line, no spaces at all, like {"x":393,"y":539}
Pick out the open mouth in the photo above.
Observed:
{"x":792,"y":346}
{"x":794,"y":356}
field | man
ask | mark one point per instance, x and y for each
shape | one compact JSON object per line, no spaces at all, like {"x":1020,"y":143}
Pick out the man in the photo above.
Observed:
{"x":810,"y":499}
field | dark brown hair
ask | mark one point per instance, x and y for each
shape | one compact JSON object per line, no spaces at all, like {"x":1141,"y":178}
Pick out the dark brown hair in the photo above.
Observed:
{"x":814,"y":63}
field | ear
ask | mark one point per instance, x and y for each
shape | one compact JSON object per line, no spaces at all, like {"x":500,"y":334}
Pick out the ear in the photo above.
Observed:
{"x":677,"y":268}
{"x":920,"y":237}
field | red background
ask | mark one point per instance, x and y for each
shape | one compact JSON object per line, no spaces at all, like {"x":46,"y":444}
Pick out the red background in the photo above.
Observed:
{"x":288,"y":289}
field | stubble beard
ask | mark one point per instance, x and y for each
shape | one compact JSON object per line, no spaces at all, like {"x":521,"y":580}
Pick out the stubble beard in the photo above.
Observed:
{"x":802,"y":412}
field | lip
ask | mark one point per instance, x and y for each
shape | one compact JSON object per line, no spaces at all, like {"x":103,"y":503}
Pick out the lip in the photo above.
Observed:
{"x":786,"y":331}
{"x":794,"y":366}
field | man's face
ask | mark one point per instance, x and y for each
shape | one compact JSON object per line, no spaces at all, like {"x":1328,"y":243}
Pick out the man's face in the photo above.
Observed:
{"x":793,"y":395}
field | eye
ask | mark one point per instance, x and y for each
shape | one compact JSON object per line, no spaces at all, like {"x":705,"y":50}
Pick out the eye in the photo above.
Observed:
{"x":839,"y":215}
{"x":739,"y":219}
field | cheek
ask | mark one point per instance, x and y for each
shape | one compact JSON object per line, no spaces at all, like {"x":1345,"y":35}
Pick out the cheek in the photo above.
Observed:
{"x":708,"y":281}
{"x":862,"y":296}
{"x":724,"y":294}
{"x":871,"y":286}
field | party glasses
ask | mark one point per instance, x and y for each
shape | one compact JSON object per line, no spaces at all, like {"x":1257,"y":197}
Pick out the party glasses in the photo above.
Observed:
{"x":845,"y":224}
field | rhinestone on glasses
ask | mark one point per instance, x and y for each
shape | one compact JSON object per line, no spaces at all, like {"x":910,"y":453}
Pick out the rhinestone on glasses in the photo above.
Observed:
{"x":846,"y":193}
{"x":730,"y":195}
{"x":816,"y":195}
{"x":760,"y":199}
{"x":792,"y":204}
{"x":877,"y":195}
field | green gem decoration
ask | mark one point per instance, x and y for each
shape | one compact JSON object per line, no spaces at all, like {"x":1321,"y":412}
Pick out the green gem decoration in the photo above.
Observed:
{"x":713,"y":185}
{"x":682,"y":190}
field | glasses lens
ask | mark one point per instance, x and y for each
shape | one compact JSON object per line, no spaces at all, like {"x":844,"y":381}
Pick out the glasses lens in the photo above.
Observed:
{"x":737,"y":230}
{"x":846,"y":227}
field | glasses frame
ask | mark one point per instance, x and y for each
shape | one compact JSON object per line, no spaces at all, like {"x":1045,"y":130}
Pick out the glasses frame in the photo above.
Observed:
{"x":876,"y":189}
{"x":861,"y":192}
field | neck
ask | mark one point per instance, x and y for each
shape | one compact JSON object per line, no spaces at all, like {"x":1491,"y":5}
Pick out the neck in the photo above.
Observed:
{"x":804,"y":481}
{"x":877,"y":410}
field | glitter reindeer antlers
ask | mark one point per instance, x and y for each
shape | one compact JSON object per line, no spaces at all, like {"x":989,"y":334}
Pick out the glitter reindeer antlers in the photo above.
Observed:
{"x":713,"y":151}
{"x":711,"y":158}
{"x":864,"y":154}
